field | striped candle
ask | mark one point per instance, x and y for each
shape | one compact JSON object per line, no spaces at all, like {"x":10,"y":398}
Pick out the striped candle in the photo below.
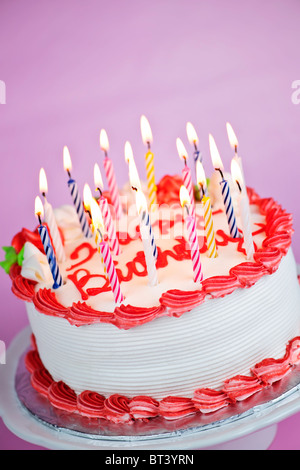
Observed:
{"x":190,"y":224}
{"x":148,"y":250}
{"x":233,"y":229}
{"x":111,"y":272}
{"x":79,"y":208}
{"x":48,"y":248}
{"x":75,"y":194}
{"x":186,"y":175}
{"x":209,"y":228}
{"x":218,"y":165}
{"x":149,"y":157}
{"x":194,"y":246}
{"x":109,"y":225}
{"x":141,"y":204}
{"x":50,"y":219}
{"x":110,"y":175}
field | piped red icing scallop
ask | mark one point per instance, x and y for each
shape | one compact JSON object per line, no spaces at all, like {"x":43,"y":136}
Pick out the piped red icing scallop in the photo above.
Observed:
{"x":62,"y":396}
{"x":208,"y":400}
{"x":91,"y":404}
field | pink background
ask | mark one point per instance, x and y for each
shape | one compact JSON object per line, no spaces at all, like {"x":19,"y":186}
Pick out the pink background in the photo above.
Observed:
{"x":73,"y":67}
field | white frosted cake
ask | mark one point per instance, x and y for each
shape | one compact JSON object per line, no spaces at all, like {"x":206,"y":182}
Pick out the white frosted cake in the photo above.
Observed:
{"x":175,"y":348}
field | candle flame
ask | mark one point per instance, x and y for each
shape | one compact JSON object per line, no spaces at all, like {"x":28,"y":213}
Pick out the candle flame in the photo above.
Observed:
{"x":237,"y":174}
{"x":231,"y":136}
{"x":104,"y":144}
{"x":87,"y":197}
{"x":200,"y":174}
{"x":67,"y":159}
{"x":146,"y":131}
{"x":96,"y":215}
{"x":98,"y":177}
{"x":141,"y":202}
{"x":38,"y":207}
{"x":128,"y":152}
{"x":133,"y":173}
{"x":184,"y":196}
{"x":181,"y":149}
{"x":43,"y":181}
{"x":191,"y":133}
{"x":214,"y":153}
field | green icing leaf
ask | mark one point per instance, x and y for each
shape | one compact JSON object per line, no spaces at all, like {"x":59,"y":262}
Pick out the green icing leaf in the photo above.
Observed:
{"x":11,"y":258}
{"x":20,"y":256}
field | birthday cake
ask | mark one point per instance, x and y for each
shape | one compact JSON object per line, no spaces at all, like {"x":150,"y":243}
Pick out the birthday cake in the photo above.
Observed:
{"x":162,"y":313}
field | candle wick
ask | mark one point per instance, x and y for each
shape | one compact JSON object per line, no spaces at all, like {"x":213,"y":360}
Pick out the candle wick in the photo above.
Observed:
{"x":134,"y":188}
{"x":195,"y":145}
{"x":39,"y":217}
{"x":235,"y":149}
{"x":148,"y":145}
{"x":202,"y":191}
{"x":239,"y":186}
{"x":100,"y":192}
{"x":105,"y":153}
{"x":44,"y":195}
{"x":184,"y":158}
{"x":69,"y":173}
{"x":221,"y":172}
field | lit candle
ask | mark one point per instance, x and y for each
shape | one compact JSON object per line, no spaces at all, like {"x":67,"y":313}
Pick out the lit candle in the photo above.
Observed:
{"x":234,"y":144}
{"x":75,"y":195}
{"x":186,"y":174}
{"x":208,"y":219}
{"x":146,"y":239}
{"x":103,"y":248}
{"x":244,"y":208}
{"x":218,"y":165}
{"x":110,"y":175}
{"x":46,"y":241}
{"x":149,"y":157}
{"x":50,"y":219}
{"x":194,"y":141}
{"x":190,"y":224}
{"x":134,"y":178}
{"x":136,"y":186}
{"x":108,"y":220}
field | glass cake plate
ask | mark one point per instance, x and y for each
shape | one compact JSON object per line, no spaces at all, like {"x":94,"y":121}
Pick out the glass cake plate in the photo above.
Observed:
{"x":28,"y":415}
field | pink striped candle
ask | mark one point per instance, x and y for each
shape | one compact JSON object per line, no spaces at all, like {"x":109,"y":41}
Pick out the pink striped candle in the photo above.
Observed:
{"x":106,"y":214}
{"x":109,"y":225}
{"x":110,"y":176}
{"x":186,"y":175}
{"x":190,"y":224}
{"x":111,"y":272}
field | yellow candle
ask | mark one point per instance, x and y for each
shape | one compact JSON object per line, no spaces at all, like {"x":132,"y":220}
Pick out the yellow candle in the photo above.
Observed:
{"x":208,"y":219}
{"x":149,"y":157}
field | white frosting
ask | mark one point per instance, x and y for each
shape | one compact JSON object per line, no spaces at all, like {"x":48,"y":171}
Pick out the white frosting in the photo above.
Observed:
{"x":175,"y":356}
{"x":35,"y":265}
{"x":167,"y":356}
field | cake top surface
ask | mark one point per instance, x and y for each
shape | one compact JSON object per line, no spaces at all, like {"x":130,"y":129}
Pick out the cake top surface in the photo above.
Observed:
{"x":86,"y":294}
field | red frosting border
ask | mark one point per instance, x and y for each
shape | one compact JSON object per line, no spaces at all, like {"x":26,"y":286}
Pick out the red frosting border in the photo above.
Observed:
{"x":121,"y":409}
{"x":278,"y":229}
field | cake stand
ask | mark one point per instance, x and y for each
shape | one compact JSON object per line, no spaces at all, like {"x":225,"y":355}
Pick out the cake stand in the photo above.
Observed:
{"x":244,"y":428}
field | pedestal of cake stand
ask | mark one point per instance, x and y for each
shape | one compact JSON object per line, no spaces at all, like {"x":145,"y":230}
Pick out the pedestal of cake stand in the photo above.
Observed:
{"x":254,"y":430}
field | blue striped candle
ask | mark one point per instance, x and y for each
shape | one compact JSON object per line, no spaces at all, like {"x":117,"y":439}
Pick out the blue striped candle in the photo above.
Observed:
{"x":79,"y":208}
{"x":75,"y":195}
{"x":48,"y":248}
{"x":234,"y":232}
{"x":153,"y":243}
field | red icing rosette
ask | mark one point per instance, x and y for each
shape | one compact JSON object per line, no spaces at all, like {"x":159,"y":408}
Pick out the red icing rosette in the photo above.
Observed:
{"x":167,"y":191}
{"x":271,"y":370}
{"x":82,"y":314}
{"x":41,"y":381}
{"x":240,"y":387}
{"x":143,"y":407}
{"x":33,"y":361}
{"x":91,"y":404}
{"x":280,"y":222}
{"x":208,"y":400}
{"x":293,"y":350}
{"x":178,"y":302}
{"x":176,"y":407}
{"x":62,"y":396}
{"x":248,"y":273}
{"x":45,"y":302}
{"x":117,"y":409}
{"x":21,"y":287}
{"x":270,"y":258}
{"x":281,"y":240}
{"x":127,"y":316}
{"x":219,"y":286}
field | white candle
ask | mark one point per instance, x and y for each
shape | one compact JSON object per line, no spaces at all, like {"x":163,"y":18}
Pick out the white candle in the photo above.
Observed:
{"x":50,"y":220}
{"x":244,"y":208}
{"x":146,"y":239}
